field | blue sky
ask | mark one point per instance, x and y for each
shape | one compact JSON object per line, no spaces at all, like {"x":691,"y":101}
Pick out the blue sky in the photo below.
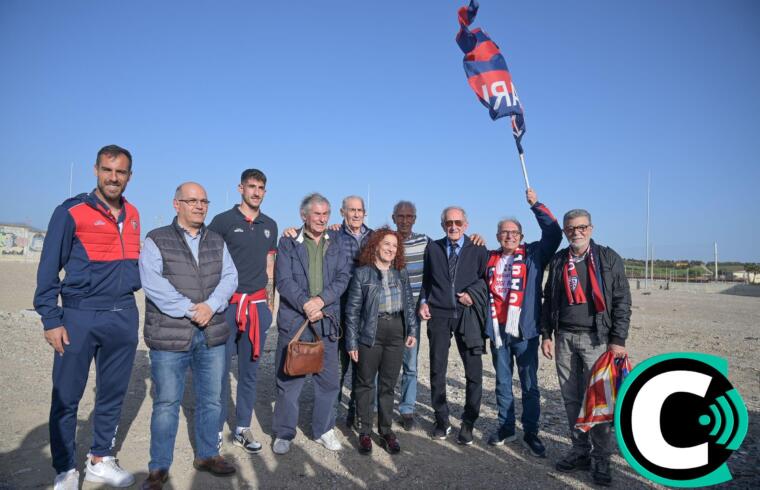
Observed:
{"x":345,"y":96}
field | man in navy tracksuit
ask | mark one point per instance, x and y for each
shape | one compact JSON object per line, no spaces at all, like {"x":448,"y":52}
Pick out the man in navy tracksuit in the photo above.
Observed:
{"x":96,"y":238}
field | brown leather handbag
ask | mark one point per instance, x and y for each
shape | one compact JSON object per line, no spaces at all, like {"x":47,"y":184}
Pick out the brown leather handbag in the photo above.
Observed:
{"x":304,"y":357}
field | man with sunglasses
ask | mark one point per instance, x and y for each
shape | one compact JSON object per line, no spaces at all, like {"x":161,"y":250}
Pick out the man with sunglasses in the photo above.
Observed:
{"x":514,"y":276}
{"x":188,"y":277}
{"x":453,"y":301}
{"x":586,"y":311}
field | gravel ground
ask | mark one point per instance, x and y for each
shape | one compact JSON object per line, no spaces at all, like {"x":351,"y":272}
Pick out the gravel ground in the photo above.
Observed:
{"x":690,"y":319}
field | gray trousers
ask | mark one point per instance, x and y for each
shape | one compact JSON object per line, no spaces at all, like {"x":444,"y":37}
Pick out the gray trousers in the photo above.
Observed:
{"x":576,"y":354}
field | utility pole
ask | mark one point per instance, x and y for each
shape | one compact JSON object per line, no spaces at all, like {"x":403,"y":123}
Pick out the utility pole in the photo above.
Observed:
{"x":646,"y":259}
{"x":716,"y":261}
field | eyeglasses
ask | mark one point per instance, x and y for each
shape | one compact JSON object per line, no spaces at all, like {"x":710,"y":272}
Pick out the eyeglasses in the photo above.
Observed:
{"x":194,"y":202}
{"x":510,"y":232}
{"x":453,"y":222}
{"x":582,"y":228}
{"x":354,"y":210}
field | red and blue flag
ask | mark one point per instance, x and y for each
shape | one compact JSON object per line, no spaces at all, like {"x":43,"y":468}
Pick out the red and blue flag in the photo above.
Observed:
{"x":487,"y":73}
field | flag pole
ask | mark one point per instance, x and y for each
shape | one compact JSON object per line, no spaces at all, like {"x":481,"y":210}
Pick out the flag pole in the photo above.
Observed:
{"x":524,"y":171}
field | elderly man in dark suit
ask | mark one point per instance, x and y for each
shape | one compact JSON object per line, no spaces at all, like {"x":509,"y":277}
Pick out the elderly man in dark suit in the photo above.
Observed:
{"x":454,"y":301}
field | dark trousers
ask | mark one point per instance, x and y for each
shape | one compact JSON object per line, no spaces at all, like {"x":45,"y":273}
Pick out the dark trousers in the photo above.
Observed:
{"x":109,"y":337}
{"x":239,"y":343}
{"x":345,"y":362}
{"x":439,"y":332}
{"x":289,"y":391}
{"x":382,"y":361}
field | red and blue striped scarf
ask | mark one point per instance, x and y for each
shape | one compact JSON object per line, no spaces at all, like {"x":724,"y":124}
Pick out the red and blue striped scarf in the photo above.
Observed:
{"x":575,"y":293}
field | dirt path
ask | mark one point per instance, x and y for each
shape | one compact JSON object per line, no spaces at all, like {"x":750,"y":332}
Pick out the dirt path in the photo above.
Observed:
{"x":663,"y":321}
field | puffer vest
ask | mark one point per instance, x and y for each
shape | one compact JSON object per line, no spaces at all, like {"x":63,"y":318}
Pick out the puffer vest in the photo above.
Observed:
{"x":195,"y":281}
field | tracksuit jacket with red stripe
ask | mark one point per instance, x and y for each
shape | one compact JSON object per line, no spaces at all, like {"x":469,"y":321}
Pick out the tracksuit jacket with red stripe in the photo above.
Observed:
{"x":100,"y":260}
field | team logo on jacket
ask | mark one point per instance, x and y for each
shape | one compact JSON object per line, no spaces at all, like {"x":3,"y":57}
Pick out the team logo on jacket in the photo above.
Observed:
{"x":99,"y":222}
{"x":238,"y":230}
{"x":134,"y":225}
{"x":266,"y":232}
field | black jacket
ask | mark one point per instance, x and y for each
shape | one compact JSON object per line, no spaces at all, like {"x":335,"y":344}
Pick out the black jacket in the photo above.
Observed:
{"x":611,"y":324}
{"x":471,"y":325}
{"x":437,"y":287}
{"x":364,"y":293}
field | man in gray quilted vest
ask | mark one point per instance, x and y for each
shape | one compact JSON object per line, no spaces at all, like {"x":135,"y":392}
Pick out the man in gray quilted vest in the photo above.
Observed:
{"x":188,"y":277}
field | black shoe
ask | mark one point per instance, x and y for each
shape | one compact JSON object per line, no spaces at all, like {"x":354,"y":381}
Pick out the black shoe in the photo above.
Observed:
{"x":501,"y":436}
{"x":465,"y":434}
{"x":365,"y":444}
{"x":535,"y":445}
{"x":407,"y":421}
{"x":601,"y":472}
{"x":572,"y":462}
{"x":441,"y":431}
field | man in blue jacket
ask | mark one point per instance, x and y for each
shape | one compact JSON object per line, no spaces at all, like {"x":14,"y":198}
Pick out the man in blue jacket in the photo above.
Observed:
{"x":514,"y":276}
{"x":311,"y":274}
{"x":96,"y":238}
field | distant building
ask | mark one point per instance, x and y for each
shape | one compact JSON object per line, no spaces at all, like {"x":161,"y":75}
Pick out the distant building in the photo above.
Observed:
{"x":20,"y":241}
{"x":745,"y":276}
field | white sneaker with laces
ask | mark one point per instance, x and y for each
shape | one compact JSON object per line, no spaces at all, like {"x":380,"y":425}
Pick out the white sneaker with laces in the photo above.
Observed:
{"x":68,"y":480}
{"x":330,"y":441}
{"x":281,"y":446}
{"x":107,"y":471}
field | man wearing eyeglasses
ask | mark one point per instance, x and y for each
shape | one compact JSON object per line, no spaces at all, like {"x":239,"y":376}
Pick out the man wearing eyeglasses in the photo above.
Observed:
{"x":514,"y":275}
{"x":586,"y":311}
{"x":188,"y":277}
{"x":453,"y":300}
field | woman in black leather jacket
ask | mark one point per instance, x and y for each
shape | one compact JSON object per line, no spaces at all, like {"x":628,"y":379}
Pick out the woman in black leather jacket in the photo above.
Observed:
{"x":380,"y":322}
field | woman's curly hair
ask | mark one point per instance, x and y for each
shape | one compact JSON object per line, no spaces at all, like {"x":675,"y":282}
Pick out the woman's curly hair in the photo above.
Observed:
{"x":368,"y":251}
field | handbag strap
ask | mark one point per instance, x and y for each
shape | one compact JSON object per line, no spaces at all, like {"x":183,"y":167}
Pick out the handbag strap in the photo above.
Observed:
{"x":297,"y":336}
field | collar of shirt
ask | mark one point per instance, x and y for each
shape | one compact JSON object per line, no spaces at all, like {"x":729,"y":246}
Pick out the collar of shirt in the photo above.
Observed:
{"x":242,"y":215}
{"x":362,"y":231}
{"x":459,"y":242}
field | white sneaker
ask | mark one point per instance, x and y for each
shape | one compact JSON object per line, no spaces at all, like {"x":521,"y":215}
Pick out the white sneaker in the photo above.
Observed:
{"x":68,"y":480}
{"x":330,"y":441}
{"x":281,"y":446}
{"x":107,"y":471}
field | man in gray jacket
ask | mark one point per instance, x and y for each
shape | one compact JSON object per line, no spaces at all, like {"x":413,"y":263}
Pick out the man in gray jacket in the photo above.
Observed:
{"x":188,"y":277}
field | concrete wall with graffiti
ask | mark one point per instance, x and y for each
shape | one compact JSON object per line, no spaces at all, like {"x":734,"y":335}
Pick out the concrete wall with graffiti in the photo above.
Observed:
{"x":20,"y":242}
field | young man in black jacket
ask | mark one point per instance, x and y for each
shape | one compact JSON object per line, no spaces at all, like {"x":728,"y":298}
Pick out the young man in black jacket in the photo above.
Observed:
{"x":453,"y":272}
{"x":587,"y":307}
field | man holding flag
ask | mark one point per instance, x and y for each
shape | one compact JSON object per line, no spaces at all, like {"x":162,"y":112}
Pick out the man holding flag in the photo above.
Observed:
{"x":514,"y":274}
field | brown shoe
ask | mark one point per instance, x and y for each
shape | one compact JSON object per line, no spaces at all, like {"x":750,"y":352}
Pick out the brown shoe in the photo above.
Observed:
{"x":155,"y":480}
{"x":216,"y":465}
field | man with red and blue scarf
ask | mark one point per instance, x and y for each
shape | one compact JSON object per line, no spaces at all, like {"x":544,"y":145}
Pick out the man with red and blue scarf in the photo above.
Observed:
{"x":514,"y":274}
{"x":95,"y":237}
{"x":586,"y":311}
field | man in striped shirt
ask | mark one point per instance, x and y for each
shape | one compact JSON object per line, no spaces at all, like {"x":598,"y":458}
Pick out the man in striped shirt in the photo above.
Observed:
{"x":404,"y":217}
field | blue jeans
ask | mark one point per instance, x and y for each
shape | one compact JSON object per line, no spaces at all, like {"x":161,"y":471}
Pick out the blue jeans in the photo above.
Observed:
{"x":409,"y":378}
{"x":525,"y":353}
{"x":168,"y":370}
